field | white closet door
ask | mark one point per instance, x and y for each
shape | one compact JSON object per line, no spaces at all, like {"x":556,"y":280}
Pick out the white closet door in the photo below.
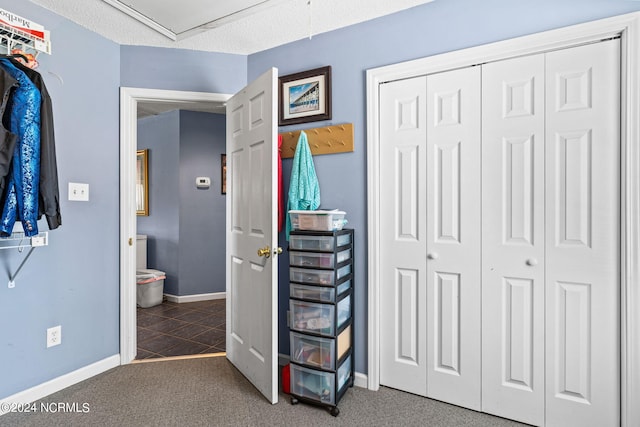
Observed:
{"x":453,"y":235}
{"x":513,"y":239}
{"x":582,"y":236}
{"x":403,"y":244}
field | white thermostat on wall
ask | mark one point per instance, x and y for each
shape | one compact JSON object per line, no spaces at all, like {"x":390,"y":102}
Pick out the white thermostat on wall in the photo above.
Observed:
{"x":203,"y":182}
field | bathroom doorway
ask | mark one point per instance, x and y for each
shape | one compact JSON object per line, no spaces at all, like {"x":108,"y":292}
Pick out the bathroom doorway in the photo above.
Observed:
{"x":159,"y":100}
{"x":178,"y":236}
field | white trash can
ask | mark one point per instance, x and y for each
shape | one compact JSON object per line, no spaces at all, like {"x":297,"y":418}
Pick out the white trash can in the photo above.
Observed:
{"x":149,"y":287}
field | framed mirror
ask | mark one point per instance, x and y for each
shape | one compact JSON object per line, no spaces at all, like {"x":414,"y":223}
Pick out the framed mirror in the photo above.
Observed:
{"x":142,"y":182}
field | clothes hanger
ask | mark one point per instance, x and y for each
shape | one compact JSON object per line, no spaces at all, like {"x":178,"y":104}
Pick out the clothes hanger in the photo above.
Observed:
{"x":14,"y":55}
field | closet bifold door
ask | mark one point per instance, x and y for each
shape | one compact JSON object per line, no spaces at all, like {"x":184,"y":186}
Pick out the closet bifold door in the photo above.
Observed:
{"x":453,"y":237}
{"x":403,"y":237}
{"x":582,"y":236}
{"x":513,"y":239}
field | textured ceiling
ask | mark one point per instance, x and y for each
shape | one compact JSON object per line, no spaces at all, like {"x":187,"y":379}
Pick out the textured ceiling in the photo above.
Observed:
{"x":276,"y":22}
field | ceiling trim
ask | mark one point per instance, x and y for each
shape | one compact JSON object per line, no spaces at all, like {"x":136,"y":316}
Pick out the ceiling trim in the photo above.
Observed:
{"x":154,"y":25}
{"x":142,"y":19}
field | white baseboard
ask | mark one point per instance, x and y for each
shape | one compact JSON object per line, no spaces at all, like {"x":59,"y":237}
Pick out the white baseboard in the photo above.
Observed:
{"x":360,"y":380}
{"x":197,"y":297}
{"x":60,"y":383}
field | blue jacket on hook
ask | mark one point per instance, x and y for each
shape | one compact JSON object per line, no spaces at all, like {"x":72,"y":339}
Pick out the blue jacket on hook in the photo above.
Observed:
{"x":21,"y":196}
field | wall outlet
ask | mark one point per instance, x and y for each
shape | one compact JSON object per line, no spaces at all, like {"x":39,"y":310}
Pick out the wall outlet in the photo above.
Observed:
{"x":54,"y":336}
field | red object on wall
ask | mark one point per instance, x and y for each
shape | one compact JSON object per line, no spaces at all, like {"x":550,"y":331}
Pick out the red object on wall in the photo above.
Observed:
{"x":286,"y":379}
{"x":280,"y":190}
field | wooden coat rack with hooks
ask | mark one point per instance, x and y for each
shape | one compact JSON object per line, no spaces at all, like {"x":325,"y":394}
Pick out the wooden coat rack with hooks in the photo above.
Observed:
{"x":324,"y":140}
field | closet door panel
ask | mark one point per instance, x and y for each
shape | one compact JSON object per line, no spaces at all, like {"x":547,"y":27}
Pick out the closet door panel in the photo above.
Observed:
{"x":453,"y":237}
{"x":403,"y":245}
{"x":513,"y":239}
{"x":582,"y":235}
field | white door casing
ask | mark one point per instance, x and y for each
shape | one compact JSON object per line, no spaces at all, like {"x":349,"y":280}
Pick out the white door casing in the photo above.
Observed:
{"x":513,"y":238}
{"x":251,"y":282}
{"x":583,"y":119}
{"x":453,"y":237}
{"x":129,"y":99}
{"x":583,"y":235}
{"x":625,"y":26}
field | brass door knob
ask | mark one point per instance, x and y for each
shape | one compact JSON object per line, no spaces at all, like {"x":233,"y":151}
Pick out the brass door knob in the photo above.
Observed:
{"x":277,"y":251}
{"x":265,"y":252}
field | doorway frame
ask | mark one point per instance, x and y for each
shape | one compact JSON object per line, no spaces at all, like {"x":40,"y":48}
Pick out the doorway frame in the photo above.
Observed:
{"x":628,"y":28}
{"x":129,"y":99}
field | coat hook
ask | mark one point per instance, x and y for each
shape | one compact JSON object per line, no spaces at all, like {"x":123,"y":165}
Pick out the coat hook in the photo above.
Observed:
{"x":316,"y":145}
{"x":329,"y":130}
{"x":342,"y":142}
{"x":315,"y":131}
{"x":342,"y":127}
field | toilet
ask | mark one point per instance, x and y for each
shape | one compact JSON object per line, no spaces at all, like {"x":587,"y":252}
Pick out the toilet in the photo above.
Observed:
{"x":149,"y":282}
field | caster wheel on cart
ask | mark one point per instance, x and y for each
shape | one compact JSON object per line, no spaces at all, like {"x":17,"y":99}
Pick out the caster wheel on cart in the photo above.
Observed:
{"x":335,"y":411}
{"x":294,"y":401}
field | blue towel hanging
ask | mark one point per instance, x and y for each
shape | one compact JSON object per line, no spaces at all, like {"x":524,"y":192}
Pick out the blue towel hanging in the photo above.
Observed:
{"x":304,"y":189}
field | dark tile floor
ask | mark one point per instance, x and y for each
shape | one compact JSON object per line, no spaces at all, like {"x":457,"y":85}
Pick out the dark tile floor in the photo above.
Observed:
{"x":172,"y":329}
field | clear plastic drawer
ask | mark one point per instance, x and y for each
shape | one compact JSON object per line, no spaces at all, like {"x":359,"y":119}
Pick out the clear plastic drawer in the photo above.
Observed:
{"x":343,"y":287}
{"x":313,"y":384}
{"x":313,"y":351}
{"x":344,"y":372}
{"x":324,"y":260}
{"x":343,"y":271}
{"x":344,"y":310}
{"x":312,"y":317}
{"x":318,"y":243}
{"x":318,"y":277}
{"x":315,"y":293}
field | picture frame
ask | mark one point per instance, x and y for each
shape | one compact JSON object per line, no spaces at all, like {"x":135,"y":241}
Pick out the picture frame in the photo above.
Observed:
{"x":223,"y":172}
{"x":142,"y":182}
{"x":304,"y":97}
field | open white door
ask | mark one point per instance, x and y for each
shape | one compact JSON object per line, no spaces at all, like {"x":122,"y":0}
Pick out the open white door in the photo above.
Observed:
{"x":252,"y":238}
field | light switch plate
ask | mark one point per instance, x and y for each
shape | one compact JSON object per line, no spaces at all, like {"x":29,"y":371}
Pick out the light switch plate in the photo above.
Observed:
{"x":78,"y":192}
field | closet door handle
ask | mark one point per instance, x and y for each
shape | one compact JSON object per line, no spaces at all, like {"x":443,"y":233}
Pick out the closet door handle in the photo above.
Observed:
{"x":432,"y":255}
{"x":532,"y":261}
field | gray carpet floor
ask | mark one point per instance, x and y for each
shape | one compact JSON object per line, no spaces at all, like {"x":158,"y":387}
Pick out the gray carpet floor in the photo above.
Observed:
{"x":212,"y":392}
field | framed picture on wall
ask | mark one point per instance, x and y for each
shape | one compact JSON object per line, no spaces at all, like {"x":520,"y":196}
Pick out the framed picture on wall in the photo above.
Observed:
{"x":142,"y":182}
{"x":304,"y":97}
{"x":223,"y":171}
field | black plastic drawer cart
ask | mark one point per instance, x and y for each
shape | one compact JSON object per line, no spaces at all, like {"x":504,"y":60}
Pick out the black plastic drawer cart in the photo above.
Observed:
{"x":321,"y":316}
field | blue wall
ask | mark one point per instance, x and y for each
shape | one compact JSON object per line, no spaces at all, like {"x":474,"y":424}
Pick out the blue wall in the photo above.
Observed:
{"x":202,"y":211}
{"x":179,"y":69}
{"x":437,"y":27}
{"x":185,"y":226}
{"x":73,"y":282}
{"x":161,"y":135}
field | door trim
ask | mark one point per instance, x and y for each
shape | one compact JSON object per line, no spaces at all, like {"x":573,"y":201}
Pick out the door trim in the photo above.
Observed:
{"x":129,"y":98}
{"x":628,"y":28}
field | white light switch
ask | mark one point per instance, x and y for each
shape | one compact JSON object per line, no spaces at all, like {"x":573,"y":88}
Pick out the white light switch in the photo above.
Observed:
{"x":78,"y":192}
